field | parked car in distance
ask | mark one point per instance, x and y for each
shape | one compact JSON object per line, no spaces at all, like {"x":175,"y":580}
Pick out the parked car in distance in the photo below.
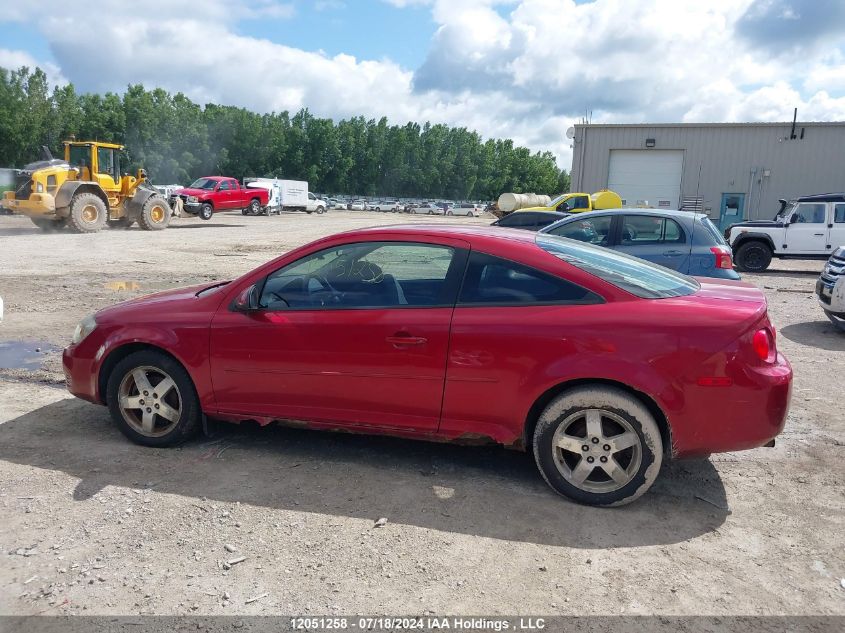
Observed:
{"x":680,"y":240}
{"x":428,"y":208}
{"x":466,"y":208}
{"x":384,"y":206}
{"x":616,"y":363}
{"x":830,"y":288}
{"x":810,"y":227}
{"x":356,"y":205}
{"x":529,"y":220}
{"x":210,"y":194}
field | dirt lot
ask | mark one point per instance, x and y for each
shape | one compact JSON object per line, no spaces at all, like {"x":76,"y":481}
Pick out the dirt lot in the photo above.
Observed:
{"x":93,"y":524}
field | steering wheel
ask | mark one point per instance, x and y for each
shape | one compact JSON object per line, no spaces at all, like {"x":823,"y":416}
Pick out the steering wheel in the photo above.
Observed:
{"x":334,"y":295}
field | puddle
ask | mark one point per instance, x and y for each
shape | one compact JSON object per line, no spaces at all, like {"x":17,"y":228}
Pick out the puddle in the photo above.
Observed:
{"x":128,"y":285}
{"x":24,"y":354}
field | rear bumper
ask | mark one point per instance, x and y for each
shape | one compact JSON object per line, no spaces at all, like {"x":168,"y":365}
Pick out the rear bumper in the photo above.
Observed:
{"x":748,"y":414}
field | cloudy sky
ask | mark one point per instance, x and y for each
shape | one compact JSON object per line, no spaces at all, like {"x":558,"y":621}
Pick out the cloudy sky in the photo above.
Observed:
{"x":524,"y":69}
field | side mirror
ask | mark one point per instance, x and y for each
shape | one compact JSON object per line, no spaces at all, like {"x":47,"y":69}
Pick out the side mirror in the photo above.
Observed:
{"x":247,"y":300}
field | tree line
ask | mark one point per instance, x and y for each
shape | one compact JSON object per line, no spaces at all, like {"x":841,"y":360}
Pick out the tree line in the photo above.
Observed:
{"x":177,"y":140}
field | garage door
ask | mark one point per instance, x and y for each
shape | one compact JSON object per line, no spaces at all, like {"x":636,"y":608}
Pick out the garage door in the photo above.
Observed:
{"x":647,"y":175}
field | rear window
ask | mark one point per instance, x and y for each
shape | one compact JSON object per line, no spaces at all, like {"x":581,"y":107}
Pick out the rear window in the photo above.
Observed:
{"x":639,"y":277}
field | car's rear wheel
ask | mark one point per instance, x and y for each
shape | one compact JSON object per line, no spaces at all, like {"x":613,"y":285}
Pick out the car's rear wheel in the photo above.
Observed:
{"x":598,"y":445}
{"x":837,"y":319}
{"x":152,"y":399}
{"x":753,"y":257}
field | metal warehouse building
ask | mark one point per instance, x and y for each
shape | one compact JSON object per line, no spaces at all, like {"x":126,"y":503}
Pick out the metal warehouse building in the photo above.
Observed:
{"x":744,"y":167}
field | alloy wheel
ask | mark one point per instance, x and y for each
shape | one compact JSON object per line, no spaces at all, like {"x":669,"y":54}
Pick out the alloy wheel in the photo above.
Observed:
{"x":150,"y":401}
{"x":597,"y":450}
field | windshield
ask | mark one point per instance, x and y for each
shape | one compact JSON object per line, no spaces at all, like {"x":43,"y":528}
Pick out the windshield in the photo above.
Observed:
{"x":558,"y":200}
{"x":203,"y":183}
{"x":637,"y":276}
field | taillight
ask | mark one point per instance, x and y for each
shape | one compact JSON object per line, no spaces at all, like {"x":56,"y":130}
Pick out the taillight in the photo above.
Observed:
{"x":763,"y":343}
{"x":723,"y":257}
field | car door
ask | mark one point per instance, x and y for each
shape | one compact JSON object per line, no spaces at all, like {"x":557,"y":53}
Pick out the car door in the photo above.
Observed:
{"x":223,"y":195}
{"x":511,"y":323}
{"x":836,"y":229}
{"x":353,"y":334}
{"x":239,"y":194}
{"x":807,"y":231}
{"x":657,"y":239}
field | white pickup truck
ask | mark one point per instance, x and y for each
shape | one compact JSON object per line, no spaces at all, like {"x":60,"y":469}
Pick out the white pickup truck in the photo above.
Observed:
{"x":811,"y":227}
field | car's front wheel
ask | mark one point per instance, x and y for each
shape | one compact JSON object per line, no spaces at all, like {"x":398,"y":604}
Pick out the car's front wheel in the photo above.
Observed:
{"x":598,"y":445}
{"x":152,"y":399}
{"x":206,"y":211}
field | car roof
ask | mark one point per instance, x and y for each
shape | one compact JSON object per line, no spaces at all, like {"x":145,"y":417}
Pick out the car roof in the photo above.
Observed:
{"x":823,"y":197}
{"x":448,"y":230}
{"x":670,"y":213}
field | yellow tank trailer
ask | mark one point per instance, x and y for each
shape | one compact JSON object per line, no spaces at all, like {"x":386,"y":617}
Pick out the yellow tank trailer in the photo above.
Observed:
{"x":86,"y":191}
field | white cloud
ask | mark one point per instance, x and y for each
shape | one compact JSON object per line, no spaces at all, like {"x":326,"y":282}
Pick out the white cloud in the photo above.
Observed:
{"x":524,"y":69}
{"x":15,"y":59}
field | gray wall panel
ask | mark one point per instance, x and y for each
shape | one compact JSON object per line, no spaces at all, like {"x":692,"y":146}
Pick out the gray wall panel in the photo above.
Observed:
{"x":727,"y":154}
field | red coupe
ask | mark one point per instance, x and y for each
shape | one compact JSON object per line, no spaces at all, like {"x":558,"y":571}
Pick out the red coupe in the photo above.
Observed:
{"x":599,"y":363}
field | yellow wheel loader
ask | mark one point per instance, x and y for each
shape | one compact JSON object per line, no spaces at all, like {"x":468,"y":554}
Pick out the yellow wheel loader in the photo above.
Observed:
{"x":86,"y":191}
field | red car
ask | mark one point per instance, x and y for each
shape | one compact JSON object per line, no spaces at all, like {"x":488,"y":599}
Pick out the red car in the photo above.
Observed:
{"x":599,"y":363}
{"x":210,"y":194}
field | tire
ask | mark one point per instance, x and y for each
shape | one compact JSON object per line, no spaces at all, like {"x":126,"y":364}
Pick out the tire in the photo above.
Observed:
{"x":206,"y":211}
{"x":180,"y":399}
{"x":309,"y":211}
{"x":449,"y":212}
{"x":837,"y":319}
{"x":255,"y":206}
{"x":88,"y":214}
{"x":245,"y":211}
{"x":155,"y":214}
{"x":321,"y":210}
{"x":753,"y":257}
{"x":637,"y":465}
{"x":48,"y":225}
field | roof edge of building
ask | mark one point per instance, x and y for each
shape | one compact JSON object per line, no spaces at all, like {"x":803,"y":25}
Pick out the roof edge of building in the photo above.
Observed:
{"x":711,"y":125}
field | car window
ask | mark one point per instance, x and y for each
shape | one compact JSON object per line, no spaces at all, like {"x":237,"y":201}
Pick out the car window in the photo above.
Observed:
{"x":637,"y":276}
{"x":809,"y":213}
{"x":493,"y":280}
{"x":575,"y":203}
{"x":364,"y":275}
{"x":224,"y":185}
{"x":839,"y":213}
{"x":311,"y":196}
{"x":713,"y":231}
{"x":594,"y":230}
{"x":649,"y":229}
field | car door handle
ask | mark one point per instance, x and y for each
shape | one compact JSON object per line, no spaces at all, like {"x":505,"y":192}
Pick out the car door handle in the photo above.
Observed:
{"x":818,"y":234}
{"x":406,"y":339}
{"x":673,"y":253}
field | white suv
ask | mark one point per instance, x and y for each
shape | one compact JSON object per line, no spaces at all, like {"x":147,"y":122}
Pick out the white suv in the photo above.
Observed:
{"x":807,"y":228}
{"x":830,"y":288}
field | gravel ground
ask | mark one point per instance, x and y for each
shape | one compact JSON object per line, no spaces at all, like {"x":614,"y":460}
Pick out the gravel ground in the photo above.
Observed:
{"x":93,"y":524}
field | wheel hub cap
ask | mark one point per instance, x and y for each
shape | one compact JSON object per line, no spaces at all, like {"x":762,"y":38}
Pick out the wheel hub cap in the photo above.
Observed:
{"x":89,"y":213}
{"x":157,"y":214}
{"x":150,"y":401}
{"x":597,"y":450}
